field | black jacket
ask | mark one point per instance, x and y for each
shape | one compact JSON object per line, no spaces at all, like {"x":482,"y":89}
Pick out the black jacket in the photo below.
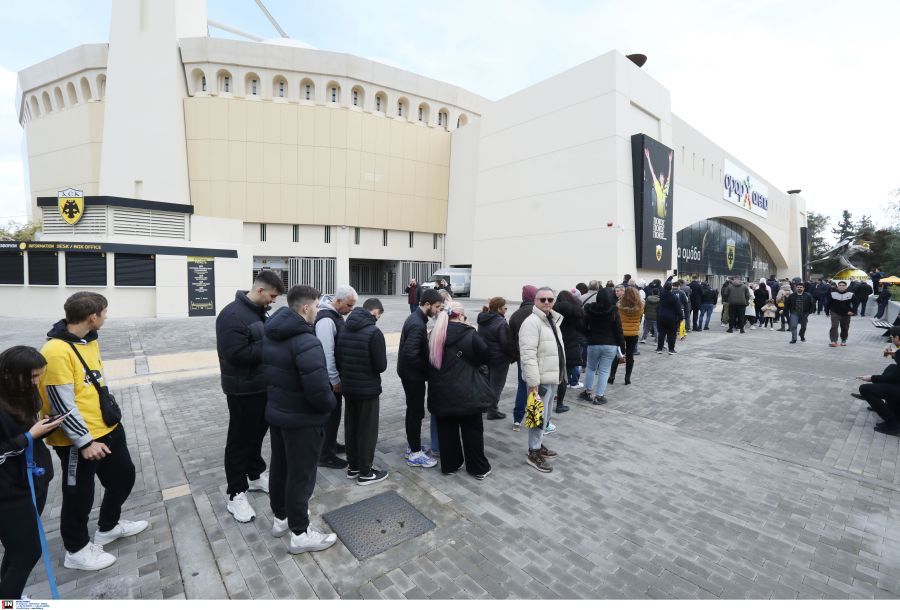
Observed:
{"x":696,"y":293}
{"x":800,"y":303}
{"x":293,"y":362}
{"x":761,"y":296}
{"x":603,"y":325}
{"x":412,"y":355}
{"x":842,"y":303}
{"x":710,"y":296}
{"x":863,"y":291}
{"x":494,"y":329}
{"x":361,"y":355}
{"x":670,"y":310}
{"x":515,"y":323}
{"x":573,"y":329}
{"x":14,"y":490}
{"x":884,"y":296}
{"x":454,"y":389}
{"x":239,"y":330}
{"x":891,"y":374}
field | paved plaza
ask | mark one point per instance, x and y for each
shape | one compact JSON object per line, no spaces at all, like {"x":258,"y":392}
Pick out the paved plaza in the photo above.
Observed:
{"x":738,"y":468}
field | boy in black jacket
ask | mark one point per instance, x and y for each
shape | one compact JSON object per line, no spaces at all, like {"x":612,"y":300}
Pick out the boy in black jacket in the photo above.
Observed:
{"x":882,"y":392}
{"x":239,"y":335}
{"x":300,"y":402}
{"x":361,"y":357}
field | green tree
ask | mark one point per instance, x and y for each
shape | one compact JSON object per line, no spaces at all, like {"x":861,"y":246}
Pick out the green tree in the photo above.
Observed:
{"x":816,"y":227}
{"x":14,"y":231}
{"x":845,"y":227}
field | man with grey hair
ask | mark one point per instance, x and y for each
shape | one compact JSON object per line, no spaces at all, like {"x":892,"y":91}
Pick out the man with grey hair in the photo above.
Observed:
{"x":543,"y":361}
{"x":591,"y":295}
{"x":329,"y":323}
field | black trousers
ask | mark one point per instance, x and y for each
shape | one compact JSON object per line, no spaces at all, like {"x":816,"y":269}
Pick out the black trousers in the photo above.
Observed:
{"x":21,"y":543}
{"x":361,"y":432}
{"x":329,"y":447}
{"x":415,"y":412}
{"x":247,"y":429}
{"x":695,"y":313}
{"x":116,"y":474}
{"x":292,"y":473}
{"x":461,"y":438}
{"x":630,"y":348}
{"x":736,"y":317}
{"x":667,"y":331}
{"x":884,"y":398}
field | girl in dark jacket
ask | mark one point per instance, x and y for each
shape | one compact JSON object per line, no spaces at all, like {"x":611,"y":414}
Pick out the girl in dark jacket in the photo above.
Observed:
{"x":574,"y":341}
{"x":494,"y":329}
{"x":669,"y":314}
{"x":459,"y":392}
{"x":760,"y":298}
{"x":605,"y":341}
{"x":21,"y":368}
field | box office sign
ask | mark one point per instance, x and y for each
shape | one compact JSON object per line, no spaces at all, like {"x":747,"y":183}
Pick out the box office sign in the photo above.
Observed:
{"x":201,"y":286}
{"x":743,"y":189}
{"x":653,"y":201}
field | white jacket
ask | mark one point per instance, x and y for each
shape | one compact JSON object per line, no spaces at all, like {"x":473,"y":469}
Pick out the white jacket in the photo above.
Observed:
{"x":538,"y":350}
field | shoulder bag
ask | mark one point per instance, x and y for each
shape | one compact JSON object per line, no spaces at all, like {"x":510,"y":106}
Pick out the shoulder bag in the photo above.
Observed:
{"x":109,"y":408}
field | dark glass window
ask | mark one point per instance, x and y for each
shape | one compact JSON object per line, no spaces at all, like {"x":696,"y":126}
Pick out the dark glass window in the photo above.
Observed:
{"x":12,"y":268}
{"x":43,"y":268}
{"x":135,"y":269}
{"x":85,"y":269}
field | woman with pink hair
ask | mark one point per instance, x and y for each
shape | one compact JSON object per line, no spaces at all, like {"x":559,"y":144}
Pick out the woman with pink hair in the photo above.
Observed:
{"x":459,"y":392}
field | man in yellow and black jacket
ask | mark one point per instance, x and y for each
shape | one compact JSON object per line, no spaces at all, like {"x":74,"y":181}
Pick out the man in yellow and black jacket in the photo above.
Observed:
{"x":86,"y":445}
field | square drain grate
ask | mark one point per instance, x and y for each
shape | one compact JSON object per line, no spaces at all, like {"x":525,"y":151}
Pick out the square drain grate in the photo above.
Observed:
{"x":374,"y":525}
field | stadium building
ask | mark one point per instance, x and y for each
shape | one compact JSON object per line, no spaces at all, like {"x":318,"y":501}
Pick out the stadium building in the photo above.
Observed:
{"x":167,"y":167}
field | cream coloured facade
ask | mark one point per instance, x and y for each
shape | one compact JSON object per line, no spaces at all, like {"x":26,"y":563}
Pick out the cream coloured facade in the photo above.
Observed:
{"x":332,"y":168}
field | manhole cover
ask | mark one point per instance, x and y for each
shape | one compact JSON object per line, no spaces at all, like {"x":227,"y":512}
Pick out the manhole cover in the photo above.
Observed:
{"x":375,"y":524}
{"x":722,"y":357}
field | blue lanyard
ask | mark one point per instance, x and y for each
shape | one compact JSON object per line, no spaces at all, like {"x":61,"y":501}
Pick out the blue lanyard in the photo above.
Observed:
{"x":37,"y":471}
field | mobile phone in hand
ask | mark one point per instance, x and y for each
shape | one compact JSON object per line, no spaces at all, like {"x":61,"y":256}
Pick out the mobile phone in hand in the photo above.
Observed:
{"x":54,"y":418}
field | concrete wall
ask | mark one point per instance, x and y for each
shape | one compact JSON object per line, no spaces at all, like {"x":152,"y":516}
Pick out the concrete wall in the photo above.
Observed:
{"x":263,"y":161}
{"x":462,"y":193}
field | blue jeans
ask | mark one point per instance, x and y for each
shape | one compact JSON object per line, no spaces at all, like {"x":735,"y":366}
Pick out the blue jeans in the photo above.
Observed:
{"x":574,"y":375}
{"x":794,"y":320}
{"x":521,"y":396}
{"x":412,"y":307}
{"x":435,"y":445}
{"x":599,"y":363}
{"x":706,"y":311}
{"x":536,"y":435}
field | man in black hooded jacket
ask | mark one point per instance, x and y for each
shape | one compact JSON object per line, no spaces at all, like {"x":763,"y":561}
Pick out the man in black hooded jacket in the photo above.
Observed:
{"x":239,"y":334}
{"x":361,"y":358}
{"x":882,"y":392}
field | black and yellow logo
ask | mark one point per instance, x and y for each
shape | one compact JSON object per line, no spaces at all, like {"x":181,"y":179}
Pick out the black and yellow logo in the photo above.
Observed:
{"x":658,"y":253}
{"x":71,"y":205}
{"x":729,"y":253}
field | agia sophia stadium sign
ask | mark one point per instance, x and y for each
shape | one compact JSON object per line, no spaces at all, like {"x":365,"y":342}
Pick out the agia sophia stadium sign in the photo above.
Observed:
{"x":743,"y":189}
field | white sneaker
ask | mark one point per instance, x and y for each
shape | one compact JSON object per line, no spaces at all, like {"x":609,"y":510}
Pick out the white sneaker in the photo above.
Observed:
{"x":241,"y":509}
{"x":577,"y":386}
{"x":260,"y":484}
{"x":91,"y":557}
{"x":279,"y":527}
{"x":123,"y":529}
{"x":421,"y":460}
{"x":310,"y":540}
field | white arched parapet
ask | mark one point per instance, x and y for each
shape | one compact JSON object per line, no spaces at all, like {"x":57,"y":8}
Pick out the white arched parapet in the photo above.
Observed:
{"x":85,"y":85}
{"x":380,"y":102}
{"x":307,"y":90}
{"x":101,"y":86}
{"x":224,"y":83}
{"x":401,"y":110}
{"x":357,"y":97}
{"x":252,"y":86}
{"x":58,"y":101}
{"x":45,"y":100}
{"x":423,"y":113}
{"x":333,"y":93}
{"x":280,"y":89}
{"x":199,"y":82}
{"x":35,"y":107}
{"x":71,"y":93}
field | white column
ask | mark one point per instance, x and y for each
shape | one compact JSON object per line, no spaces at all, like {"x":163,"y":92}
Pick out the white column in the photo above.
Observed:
{"x":342,"y":237}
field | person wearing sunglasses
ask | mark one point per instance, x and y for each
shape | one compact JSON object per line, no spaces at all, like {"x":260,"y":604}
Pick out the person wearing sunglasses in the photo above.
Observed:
{"x":543,"y":368}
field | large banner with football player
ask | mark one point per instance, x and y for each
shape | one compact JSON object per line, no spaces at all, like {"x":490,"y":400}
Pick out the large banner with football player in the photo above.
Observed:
{"x":652,"y":169}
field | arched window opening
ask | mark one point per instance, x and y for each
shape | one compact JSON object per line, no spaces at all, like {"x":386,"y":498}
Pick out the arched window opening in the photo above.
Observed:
{"x":334,"y":93}
{"x":70,"y":92}
{"x":380,"y":102}
{"x":280,"y":87}
{"x":101,"y":87}
{"x":86,"y":89}
{"x":462,"y":121}
{"x":58,"y":98}
{"x":402,"y":106}
{"x":307,"y":90}
{"x":423,"y":113}
{"x":443,"y":118}
{"x":198,"y":81}
{"x":251,"y":85}
{"x":35,"y":107}
{"x":357,"y":97}
{"x":45,"y":98}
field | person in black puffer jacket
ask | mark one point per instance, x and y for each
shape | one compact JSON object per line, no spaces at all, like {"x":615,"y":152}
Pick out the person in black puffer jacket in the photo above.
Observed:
{"x":882,"y":392}
{"x":604,"y":341}
{"x":459,"y":392}
{"x":361,"y":357}
{"x":239,"y":330}
{"x":300,"y":401}
{"x":20,"y":403}
{"x":494,"y":329}
{"x":574,"y":341}
{"x":668,"y":316}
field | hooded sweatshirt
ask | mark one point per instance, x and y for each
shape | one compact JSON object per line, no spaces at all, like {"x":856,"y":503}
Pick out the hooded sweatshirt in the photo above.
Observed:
{"x":493,"y":328}
{"x":65,"y":387}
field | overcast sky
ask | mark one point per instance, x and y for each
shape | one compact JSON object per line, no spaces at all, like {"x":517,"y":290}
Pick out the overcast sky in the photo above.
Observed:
{"x":805,"y":93}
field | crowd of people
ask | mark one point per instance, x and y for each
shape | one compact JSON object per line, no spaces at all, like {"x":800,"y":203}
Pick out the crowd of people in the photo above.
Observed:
{"x":294,"y":374}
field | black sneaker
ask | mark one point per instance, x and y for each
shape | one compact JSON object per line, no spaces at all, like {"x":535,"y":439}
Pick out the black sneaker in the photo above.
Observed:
{"x":481,"y":477}
{"x":561,"y":409}
{"x":585,"y":396}
{"x":372,"y":477}
{"x":793,"y":340}
{"x":352,"y":474}
{"x":857,"y":396}
{"x":496,"y":415}
{"x":599,"y":400}
{"x":335,"y":462}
